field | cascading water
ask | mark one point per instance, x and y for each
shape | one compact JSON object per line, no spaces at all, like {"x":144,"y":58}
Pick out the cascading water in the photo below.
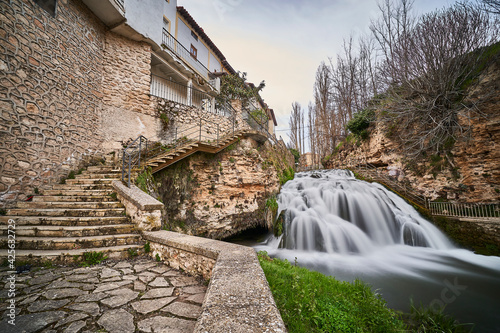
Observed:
{"x":352,"y":229}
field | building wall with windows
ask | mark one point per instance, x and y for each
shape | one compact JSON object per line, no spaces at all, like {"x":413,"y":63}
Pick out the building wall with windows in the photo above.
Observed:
{"x":147,"y":17}
{"x":190,"y":39}
{"x":75,"y":87}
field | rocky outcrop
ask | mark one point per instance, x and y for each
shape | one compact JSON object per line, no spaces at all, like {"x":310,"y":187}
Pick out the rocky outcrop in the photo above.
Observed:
{"x":220,"y":195}
{"x":470,"y":172}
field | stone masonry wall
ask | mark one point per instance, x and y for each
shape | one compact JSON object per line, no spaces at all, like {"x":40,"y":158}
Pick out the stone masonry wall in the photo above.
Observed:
{"x":128,"y":110}
{"x":70,"y":90}
{"x":50,"y":92}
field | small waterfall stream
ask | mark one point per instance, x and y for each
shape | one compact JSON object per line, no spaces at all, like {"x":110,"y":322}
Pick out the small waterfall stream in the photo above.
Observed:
{"x":352,"y":229}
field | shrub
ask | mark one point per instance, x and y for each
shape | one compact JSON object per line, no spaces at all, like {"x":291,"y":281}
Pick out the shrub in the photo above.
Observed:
{"x":359,"y":124}
{"x":286,"y":175}
{"x":92,"y":258}
{"x":272,"y":204}
{"x":132,"y":252}
{"x":296,"y":154}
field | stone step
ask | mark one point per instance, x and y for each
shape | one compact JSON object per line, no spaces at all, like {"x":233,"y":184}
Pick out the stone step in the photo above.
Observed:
{"x":69,"y":198}
{"x":80,"y":187}
{"x":102,"y":169}
{"x":92,"y":175}
{"x":79,"y":192}
{"x":89,"y":181}
{"x":66,"y":212}
{"x":69,"y":231}
{"x":65,"y":220}
{"x":70,"y":204}
{"x":67,"y":256}
{"x":70,"y":243}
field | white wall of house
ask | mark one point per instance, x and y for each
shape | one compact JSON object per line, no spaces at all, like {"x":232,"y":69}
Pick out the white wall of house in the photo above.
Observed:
{"x":146,"y":17}
{"x":170,"y":12}
{"x":185,"y":37}
{"x":215,"y":65}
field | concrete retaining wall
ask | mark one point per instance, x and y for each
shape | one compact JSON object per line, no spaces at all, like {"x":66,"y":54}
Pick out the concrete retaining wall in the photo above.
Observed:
{"x":238,"y":298}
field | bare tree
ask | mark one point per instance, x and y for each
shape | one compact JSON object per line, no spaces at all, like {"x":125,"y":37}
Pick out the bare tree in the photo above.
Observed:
{"x":427,"y":84}
{"x":492,"y":6}
{"x":296,"y":124}
{"x":391,"y":32}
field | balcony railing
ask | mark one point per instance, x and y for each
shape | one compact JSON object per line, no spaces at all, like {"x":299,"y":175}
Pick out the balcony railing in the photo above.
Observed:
{"x":120,"y":4}
{"x":182,"y":94}
{"x":169,"y":41}
{"x":466,"y":210}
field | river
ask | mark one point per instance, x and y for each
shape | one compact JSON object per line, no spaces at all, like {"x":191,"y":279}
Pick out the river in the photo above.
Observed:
{"x":352,"y":229}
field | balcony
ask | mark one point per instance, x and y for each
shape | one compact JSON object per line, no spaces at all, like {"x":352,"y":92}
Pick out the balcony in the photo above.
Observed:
{"x":169,"y":42}
{"x":186,"y":95}
{"x":110,"y":12}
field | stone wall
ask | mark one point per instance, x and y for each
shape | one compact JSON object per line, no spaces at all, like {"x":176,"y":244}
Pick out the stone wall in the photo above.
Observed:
{"x":238,"y":297}
{"x":50,"y":92}
{"x":70,"y":91}
{"x":127,"y":108}
{"x":182,"y":119}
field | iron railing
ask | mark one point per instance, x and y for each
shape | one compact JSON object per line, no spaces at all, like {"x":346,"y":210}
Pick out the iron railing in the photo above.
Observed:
{"x":369,"y":170}
{"x":202,"y":132}
{"x":132,"y":155}
{"x":169,"y":41}
{"x":449,"y":209}
{"x":260,"y":125}
{"x":466,"y":210}
{"x":120,"y":4}
{"x":183,"y":94}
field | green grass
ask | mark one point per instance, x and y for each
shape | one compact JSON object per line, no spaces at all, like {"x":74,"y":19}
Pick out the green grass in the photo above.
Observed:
{"x":312,"y":302}
{"x":425,"y":320}
{"x":286,"y":175}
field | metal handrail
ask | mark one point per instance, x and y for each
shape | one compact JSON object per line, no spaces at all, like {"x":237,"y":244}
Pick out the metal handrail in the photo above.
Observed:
{"x":169,"y":41}
{"x":450,"y":209}
{"x":259,"y":126}
{"x":467,"y":210}
{"x":200,"y":133}
{"x":132,"y":156}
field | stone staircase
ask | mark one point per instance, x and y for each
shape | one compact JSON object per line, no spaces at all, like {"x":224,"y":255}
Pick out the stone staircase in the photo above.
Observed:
{"x":70,"y":219}
{"x":180,"y":152}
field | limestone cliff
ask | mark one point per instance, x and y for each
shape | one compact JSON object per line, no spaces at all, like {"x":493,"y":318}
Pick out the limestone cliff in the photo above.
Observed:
{"x":468,"y":172}
{"x":220,"y":195}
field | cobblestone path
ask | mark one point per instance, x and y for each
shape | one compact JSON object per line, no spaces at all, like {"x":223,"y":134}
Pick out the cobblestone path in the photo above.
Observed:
{"x":138,"y":295}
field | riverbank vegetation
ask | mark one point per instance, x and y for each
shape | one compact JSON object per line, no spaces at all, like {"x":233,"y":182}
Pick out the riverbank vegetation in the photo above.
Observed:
{"x":312,"y":302}
{"x":410,"y":73}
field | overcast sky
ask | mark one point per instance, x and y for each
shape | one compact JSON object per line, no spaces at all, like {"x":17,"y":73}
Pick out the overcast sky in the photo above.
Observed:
{"x":284,"y":41}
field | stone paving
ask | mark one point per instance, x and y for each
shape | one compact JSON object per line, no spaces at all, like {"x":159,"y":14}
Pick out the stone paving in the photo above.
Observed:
{"x":136,"y":295}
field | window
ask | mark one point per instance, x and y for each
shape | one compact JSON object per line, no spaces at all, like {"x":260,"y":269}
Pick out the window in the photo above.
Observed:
{"x":195,"y":36}
{"x":48,"y":5}
{"x":194,"y":52}
{"x":166,"y":24}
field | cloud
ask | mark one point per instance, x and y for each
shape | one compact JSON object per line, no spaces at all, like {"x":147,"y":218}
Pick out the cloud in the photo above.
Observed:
{"x":283,"y":42}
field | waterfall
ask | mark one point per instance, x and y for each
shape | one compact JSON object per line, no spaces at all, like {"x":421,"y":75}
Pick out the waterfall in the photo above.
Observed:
{"x":331,"y":211}
{"x":347,"y":228}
